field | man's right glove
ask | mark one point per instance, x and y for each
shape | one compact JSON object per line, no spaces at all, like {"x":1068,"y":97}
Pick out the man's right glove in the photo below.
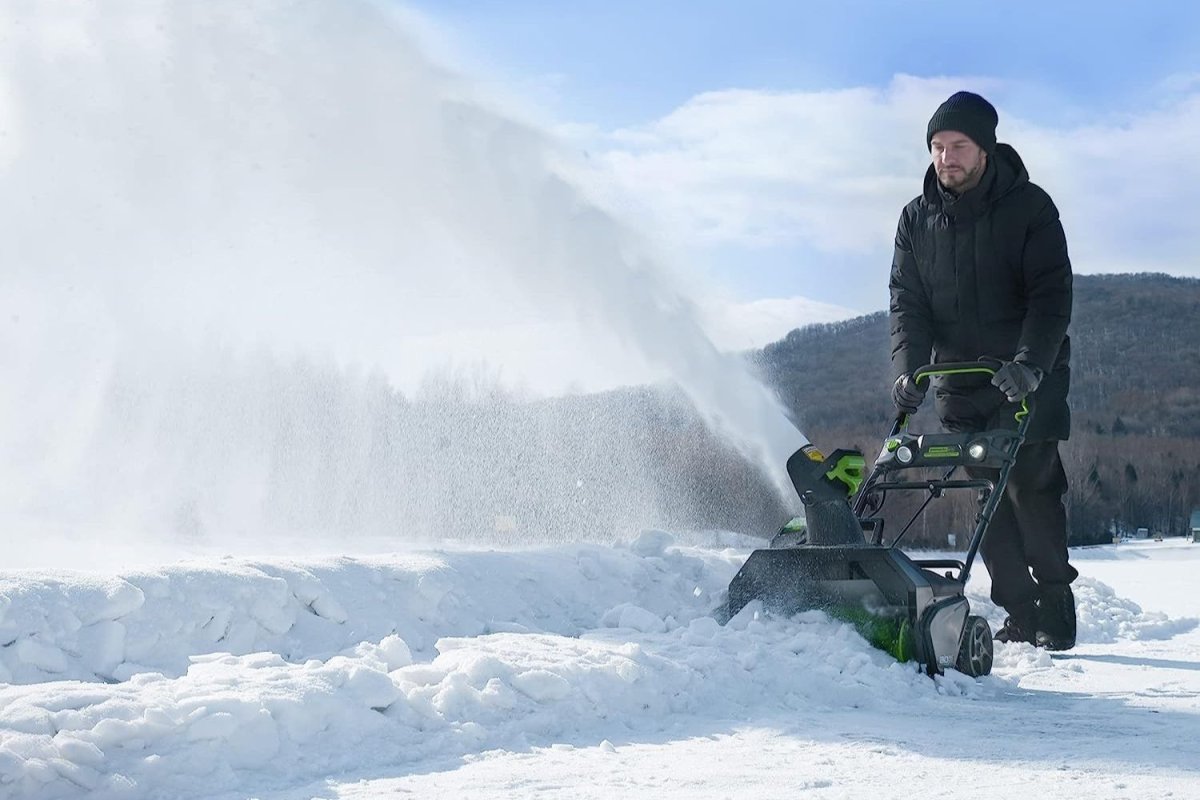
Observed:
{"x":907,"y":394}
{"x":1017,"y":380}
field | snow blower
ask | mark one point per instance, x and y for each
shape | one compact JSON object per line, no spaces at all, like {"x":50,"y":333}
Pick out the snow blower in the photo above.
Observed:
{"x":836,"y":559}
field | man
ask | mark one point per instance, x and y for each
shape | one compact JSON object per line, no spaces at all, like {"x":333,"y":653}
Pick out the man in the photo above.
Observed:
{"x":981,"y":269}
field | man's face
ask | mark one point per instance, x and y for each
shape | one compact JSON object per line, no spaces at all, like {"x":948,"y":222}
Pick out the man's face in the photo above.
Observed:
{"x":958,"y":160}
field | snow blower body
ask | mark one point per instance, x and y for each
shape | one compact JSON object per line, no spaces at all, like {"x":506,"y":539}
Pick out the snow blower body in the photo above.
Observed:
{"x":837,"y":561}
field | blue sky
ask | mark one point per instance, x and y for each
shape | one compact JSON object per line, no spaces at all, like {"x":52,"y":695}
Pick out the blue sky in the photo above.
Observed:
{"x":618,"y":62}
{"x":690,"y":103}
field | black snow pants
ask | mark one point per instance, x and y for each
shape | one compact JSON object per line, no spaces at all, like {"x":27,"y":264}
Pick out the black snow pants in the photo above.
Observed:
{"x":1029,"y":527}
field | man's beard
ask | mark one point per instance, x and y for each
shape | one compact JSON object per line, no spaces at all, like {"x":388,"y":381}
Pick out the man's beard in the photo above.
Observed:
{"x":957,"y":180}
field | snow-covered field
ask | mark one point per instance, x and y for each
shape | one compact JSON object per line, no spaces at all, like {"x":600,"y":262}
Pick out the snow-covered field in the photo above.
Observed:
{"x":582,"y":671}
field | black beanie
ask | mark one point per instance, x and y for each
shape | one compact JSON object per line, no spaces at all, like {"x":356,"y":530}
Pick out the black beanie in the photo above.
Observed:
{"x":967,"y":113}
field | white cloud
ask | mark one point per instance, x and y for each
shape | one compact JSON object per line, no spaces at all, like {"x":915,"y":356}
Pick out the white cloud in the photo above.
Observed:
{"x":1128,"y":189}
{"x":830,"y":170}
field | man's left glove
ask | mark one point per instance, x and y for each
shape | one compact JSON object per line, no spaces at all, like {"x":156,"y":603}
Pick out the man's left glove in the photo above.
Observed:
{"x":1017,"y":380}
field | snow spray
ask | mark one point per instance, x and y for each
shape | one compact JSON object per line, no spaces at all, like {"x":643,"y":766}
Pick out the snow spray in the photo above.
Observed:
{"x":236,"y":231}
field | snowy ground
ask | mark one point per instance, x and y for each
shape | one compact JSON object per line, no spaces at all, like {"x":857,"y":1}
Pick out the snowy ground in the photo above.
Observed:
{"x":581,"y":671}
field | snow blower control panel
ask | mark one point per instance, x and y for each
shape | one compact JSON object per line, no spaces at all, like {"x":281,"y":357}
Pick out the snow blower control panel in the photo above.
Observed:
{"x":985,"y":449}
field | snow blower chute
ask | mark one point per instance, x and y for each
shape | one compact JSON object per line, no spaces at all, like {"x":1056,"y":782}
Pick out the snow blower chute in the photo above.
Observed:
{"x":838,"y":562}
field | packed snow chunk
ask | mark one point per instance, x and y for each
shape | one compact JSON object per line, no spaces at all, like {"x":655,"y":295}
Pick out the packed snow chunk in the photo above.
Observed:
{"x":255,"y":742}
{"x":1019,"y":658}
{"x":628,"y":615}
{"x":216,"y":629}
{"x":247,"y":704}
{"x":651,"y":543}
{"x":483,"y":668}
{"x":115,"y":732}
{"x":422,"y":674}
{"x":64,"y":600}
{"x":498,"y":694}
{"x":436,"y":584}
{"x":218,"y":725}
{"x":73,"y":748}
{"x":367,"y":683}
{"x":247,"y":731}
{"x":274,"y":613}
{"x":1105,"y":617}
{"x":102,"y":647}
{"x":470,"y":735}
{"x":11,"y":765}
{"x":45,"y":657}
{"x":450,"y":703}
{"x":390,"y":654}
{"x":702,"y":630}
{"x":133,"y":670}
{"x":82,"y":776}
{"x":542,"y":685}
{"x":396,"y":652}
{"x":315,"y":596}
{"x":117,"y":599}
{"x":201,"y":609}
{"x":748,"y":618}
{"x":453,"y":698}
{"x":327,"y":606}
{"x":953,"y":683}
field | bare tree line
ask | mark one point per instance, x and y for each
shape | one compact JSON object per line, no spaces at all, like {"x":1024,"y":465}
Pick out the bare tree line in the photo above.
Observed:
{"x":216,"y":443}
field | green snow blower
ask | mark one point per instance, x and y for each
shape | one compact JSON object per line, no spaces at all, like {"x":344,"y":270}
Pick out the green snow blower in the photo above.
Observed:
{"x":837,"y":560}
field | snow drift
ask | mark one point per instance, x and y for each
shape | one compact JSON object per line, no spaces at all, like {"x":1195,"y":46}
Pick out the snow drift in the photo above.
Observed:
{"x":230,"y":674}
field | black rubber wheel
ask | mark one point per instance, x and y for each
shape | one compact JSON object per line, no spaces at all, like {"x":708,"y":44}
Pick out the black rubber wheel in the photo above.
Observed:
{"x":975,"y":652}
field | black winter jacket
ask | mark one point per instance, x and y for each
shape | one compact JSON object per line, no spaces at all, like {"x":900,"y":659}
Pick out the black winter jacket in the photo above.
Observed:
{"x":985,"y":274}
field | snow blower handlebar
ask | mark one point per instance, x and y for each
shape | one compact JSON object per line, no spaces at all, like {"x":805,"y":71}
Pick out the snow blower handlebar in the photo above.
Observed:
{"x":995,"y":448}
{"x":984,"y":366}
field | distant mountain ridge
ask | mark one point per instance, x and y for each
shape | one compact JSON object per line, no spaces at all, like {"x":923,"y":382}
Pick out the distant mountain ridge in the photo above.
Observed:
{"x":1135,"y":355}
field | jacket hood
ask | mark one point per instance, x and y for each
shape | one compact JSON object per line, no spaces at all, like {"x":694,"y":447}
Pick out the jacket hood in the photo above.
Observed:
{"x":1005,"y":172}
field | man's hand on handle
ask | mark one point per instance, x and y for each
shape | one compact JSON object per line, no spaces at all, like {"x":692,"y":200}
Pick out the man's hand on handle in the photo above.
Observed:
{"x":1017,"y":380}
{"x":907,"y":394}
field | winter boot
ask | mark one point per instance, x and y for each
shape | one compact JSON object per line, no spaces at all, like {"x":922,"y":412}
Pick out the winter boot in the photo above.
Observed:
{"x":1020,"y":625}
{"x":1056,"y":617}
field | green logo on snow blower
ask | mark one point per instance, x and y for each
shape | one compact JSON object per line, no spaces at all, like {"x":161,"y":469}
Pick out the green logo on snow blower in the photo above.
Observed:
{"x":944,"y":451}
{"x":848,"y":471}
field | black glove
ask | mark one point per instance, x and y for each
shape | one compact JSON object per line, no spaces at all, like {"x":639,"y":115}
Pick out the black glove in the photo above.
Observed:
{"x":1017,"y":380}
{"x":907,"y":394}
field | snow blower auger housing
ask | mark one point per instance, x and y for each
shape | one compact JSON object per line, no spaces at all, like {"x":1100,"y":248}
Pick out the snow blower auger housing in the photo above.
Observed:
{"x":915,"y":609}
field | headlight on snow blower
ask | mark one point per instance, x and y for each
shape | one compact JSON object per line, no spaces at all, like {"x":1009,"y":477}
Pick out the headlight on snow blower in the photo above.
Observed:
{"x":904,"y":454}
{"x":977,"y":451}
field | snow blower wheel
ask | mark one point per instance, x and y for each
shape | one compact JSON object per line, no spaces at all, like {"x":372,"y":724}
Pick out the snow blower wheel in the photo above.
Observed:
{"x":975,"y":655}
